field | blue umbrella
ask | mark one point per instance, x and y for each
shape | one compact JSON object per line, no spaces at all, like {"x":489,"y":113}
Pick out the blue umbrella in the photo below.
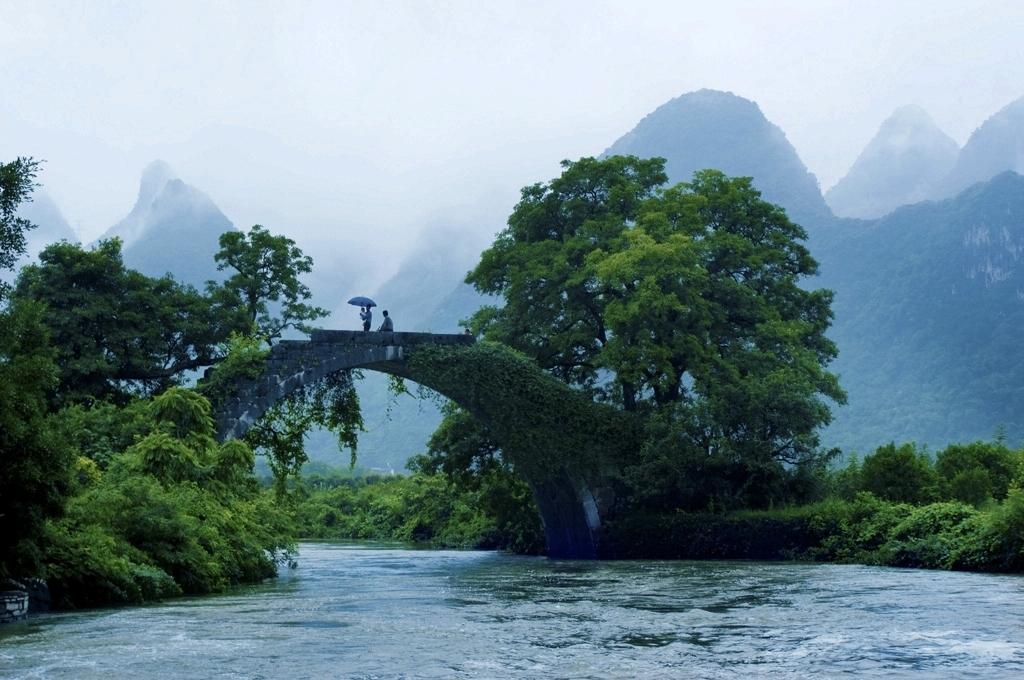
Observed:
{"x":360,"y":301}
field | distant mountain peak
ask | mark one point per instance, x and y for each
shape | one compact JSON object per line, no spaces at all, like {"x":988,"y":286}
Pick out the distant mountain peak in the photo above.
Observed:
{"x":910,"y":114}
{"x":722,"y":130}
{"x":155,"y":177}
{"x":902,"y":164}
{"x":173,"y":227}
{"x":996,"y":146}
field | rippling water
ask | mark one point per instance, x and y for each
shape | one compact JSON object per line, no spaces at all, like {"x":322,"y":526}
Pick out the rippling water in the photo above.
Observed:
{"x":363,"y":611}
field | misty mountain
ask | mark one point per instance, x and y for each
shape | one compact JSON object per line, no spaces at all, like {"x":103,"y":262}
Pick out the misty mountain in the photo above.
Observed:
{"x":902,"y":164}
{"x":928,"y":310}
{"x":713,"y":129}
{"x":435,"y":266}
{"x":996,"y":146}
{"x":172,"y":228}
{"x":50,"y":223}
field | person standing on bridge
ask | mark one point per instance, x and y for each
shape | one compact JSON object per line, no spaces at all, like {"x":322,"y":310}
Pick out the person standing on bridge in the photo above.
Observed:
{"x":366,"y":314}
{"x":387,"y":325}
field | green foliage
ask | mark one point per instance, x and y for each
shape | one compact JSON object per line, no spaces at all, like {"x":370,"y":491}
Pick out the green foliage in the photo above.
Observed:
{"x":977,"y":472}
{"x":899,"y":473}
{"x":101,"y":430}
{"x":673,"y":471}
{"x":17,"y":180}
{"x":266,"y":285}
{"x":866,"y":530}
{"x":35,"y":469}
{"x":119,"y":332}
{"x":542,"y":424}
{"x":461,"y":449}
{"x":683,"y":304}
{"x":244,"y":358}
{"x":89,"y":566}
{"x":266,"y":282}
{"x":553,"y":309}
{"x":175,"y":512}
{"x":497,"y":514}
{"x":931,"y":536}
{"x":281,"y":431}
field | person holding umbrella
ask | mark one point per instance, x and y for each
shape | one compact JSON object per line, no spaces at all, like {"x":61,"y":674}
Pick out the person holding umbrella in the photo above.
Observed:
{"x":365,"y":311}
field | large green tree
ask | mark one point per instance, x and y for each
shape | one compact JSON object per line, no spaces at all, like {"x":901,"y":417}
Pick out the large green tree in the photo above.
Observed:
{"x":118,"y":331}
{"x":683,"y":303}
{"x":266,"y":281}
{"x":34,"y":468}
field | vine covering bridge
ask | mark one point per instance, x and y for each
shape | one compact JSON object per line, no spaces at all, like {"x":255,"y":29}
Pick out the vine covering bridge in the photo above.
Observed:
{"x":557,"y":440}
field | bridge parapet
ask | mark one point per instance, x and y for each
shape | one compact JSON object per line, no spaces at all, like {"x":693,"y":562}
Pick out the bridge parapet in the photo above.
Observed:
{"x":398,"y":338}
{"x":293,"y":364}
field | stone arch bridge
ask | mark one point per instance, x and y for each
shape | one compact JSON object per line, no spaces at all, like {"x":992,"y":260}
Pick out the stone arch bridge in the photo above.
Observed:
{"x":558,"y":441}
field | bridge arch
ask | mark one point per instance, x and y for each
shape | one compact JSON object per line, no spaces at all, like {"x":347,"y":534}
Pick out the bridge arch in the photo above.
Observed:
{"x":558,"y":441}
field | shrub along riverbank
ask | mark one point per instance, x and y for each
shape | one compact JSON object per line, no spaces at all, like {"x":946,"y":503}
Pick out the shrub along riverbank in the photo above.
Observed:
{"x":175,"y":512}
{"x":964,"y":509}
{"x":865,"y":530}
{"x":495,"y":514}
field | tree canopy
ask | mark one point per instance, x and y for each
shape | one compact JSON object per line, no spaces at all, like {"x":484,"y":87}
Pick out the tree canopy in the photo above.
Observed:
{"x":682,"y":301}
{"x":34,"y":468}
{"x":266,"y":283}
{"x":118,"y":331}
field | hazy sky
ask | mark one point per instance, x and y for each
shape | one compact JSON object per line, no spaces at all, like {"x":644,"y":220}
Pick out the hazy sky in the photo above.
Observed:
{"x":338,"y":119}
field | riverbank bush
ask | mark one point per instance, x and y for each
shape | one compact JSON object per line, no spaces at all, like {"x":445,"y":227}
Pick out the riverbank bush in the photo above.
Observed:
{"x":173,"y":513}
{"x":865,"y":530}
{"x":962,"y":509}
{"x":426,"y":508}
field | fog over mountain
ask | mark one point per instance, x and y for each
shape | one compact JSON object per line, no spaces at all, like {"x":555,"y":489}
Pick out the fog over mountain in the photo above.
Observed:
{"x":902,"y":164}
{"x":155,"y":177}
{"x":348,"y":125}
{"x":172,"y":228}
{"x":996,"y":146}
{"x":713,"y":129}
{"x":49,"y":220}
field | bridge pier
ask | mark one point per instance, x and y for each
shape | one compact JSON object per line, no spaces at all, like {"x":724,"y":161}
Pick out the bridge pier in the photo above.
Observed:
{"x":569,"y":514}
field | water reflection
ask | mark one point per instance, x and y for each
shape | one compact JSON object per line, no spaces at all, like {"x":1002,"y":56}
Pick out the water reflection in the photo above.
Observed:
{"x":383,"y":611}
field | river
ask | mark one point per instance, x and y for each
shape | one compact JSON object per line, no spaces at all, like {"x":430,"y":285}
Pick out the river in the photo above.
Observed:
{"x":373,"y":611}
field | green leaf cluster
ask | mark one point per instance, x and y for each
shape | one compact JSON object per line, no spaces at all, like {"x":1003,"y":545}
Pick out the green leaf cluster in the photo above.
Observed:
{"x":281,"y":432}
{"x":498,"y":513}
{"x":979,"y":474}
{"x":865,"y":530}
{"x":174,"y":512}
{"x":266,"y":282}
{"x":35,"y":469}
{"x":117,"y":332}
